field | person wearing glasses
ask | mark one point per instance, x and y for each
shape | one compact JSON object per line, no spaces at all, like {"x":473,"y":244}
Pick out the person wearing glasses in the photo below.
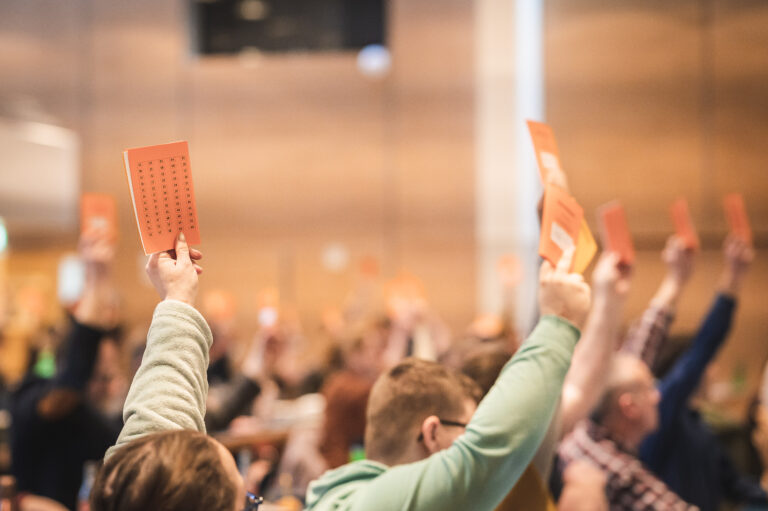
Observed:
{"x":162,"y":458}
{"x":430,"y":447}
{"x":656,"y":452}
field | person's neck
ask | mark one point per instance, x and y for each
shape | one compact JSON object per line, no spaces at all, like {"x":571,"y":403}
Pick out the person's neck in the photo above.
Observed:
{"x":415,"y":453}
{"x":627,"y":437}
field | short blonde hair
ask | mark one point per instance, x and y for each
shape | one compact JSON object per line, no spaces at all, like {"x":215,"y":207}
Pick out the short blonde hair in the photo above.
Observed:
{"x":406,"y":395}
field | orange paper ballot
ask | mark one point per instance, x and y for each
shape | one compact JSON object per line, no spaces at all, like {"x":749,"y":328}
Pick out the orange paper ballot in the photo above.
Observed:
{"x":545,"y":147}
{"x":684,"y":228}
{"x":615,"y":231}
{"x":160,"y":179}
{"x":98,"y":210}
{"x":560,"y":223}
{"x":736,"y":213}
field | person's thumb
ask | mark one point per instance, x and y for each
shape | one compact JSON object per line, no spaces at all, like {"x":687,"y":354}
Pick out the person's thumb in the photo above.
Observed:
{"x":182,"y":249}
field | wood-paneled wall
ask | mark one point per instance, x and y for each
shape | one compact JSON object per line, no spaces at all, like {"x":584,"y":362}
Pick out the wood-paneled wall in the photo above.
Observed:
{"x":649,"y":99}
{"x":289,"y":152}
{"x":655,"y":100}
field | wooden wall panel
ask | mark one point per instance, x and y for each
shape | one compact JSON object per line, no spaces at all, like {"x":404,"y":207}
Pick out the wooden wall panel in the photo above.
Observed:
{"x":651,"y":100}
{"x":290,"y":152}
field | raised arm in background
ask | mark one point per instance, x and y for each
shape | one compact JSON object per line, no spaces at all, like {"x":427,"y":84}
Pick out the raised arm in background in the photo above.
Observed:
{"x":586,"y":378}
{"x":53,"y":431}
{"x":682,"y":380}
{"x":647,"y":336}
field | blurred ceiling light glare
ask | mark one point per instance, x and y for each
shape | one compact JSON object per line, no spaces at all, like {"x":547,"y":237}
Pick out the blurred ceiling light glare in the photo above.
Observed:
{"x":374,"y":61}
{"x":335,"y":257}
{"x":254,"y":10}
{"x":250,"y":57}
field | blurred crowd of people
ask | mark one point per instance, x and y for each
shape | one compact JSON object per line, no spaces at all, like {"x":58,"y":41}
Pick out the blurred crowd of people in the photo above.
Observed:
{"x":394,"y":412}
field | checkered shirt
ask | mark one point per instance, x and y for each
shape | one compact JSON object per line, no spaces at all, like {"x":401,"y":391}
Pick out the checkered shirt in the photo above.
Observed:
{"x":630,"y":486}
{"x":646,"y":336}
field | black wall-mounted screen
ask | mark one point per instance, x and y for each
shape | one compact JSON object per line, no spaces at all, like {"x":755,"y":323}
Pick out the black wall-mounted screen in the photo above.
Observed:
{"x":229,"y":26}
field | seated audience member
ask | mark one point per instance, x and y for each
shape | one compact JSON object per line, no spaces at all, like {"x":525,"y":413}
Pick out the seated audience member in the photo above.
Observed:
{"x":346,"y":396}
{"x":428,"y":449}
{"x":54,"y":428}
{"x":684,"y":452}
{"x":163,"y":459}
{"x":634,"y":415}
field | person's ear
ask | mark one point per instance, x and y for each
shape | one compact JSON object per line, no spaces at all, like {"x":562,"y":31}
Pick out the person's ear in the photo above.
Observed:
{"x":429,"y":434}
{"x":627,"y":405}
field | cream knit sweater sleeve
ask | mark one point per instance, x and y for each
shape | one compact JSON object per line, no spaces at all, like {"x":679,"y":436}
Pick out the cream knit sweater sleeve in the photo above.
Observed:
{"x":171,"y":386}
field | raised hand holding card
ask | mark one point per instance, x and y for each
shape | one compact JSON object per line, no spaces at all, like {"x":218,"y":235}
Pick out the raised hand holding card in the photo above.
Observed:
{"x":160,"y":179}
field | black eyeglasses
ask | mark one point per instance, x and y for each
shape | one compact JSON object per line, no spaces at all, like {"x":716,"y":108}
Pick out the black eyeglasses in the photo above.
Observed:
{"x":445,"y":423}
{"x":252,"y":502}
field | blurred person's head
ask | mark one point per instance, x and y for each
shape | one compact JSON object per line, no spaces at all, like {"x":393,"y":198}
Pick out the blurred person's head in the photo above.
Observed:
{"x":108,"y":384}
{"x":362,"y":351}
{"x":415,"y":409}
{"x":484,"y":363}
{"x":629,"y":407}
{"x":178,"y":470}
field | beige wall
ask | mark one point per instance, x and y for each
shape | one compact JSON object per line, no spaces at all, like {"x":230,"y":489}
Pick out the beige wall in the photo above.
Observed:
{"x":289,"y":152}
{"x":654,"y":100}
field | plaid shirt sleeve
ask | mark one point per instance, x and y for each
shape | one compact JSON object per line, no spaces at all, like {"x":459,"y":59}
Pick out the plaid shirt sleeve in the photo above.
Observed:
{"x":646,"y":336}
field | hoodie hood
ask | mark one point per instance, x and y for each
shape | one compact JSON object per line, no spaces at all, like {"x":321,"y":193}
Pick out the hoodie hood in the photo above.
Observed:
{"x":338,"y":485}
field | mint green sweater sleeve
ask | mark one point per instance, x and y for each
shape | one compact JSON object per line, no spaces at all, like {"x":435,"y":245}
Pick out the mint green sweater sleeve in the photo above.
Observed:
{"x":483,"y":465}
{"x":170,"y":388}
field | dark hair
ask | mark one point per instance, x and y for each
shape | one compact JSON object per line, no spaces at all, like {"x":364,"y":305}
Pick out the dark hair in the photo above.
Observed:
{"x":406,"y":395}
{"x":178,"y":470}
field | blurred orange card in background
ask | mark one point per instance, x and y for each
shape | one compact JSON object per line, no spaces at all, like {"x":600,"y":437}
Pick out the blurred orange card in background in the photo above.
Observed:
{"x":545,"y":147}
{"x":98,"y":210}
{"x":160,"y":179}
{"x":736,"y":213}
{"x":560,"y":223}
{"x":681,"y":218}
{"x":615,"y":231}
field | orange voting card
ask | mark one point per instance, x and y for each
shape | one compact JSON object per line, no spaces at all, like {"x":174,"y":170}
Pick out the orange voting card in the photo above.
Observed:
{"x":615,"y":231}
{"x":545,"y":147}
{"x":560,"y":223}
{"x":160,"y":179}
{"x":98,"y":210}
{"x":684,"y":228}
{"x":736,"y":213}
{"x":586,"y":248}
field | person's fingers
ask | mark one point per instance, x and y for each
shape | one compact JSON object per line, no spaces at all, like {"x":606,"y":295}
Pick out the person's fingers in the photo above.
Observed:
{"x":195,"y":254}
{"x":566,"y":260}
{"x":153,"y":260}
{"x":546,"y":268}
{"x":182,"y":249}
{"x":612,"y":258}
{"x":198,"y":268}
